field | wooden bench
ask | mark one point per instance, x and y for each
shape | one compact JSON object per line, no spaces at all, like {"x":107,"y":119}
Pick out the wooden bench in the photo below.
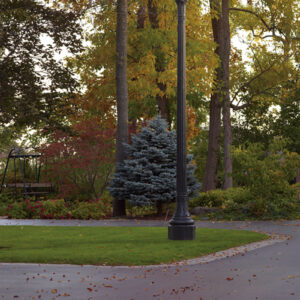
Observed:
{"x":30,"y":185}
{"x":32,"y":188}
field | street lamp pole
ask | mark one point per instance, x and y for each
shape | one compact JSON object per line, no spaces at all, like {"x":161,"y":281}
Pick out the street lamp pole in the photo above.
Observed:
{"x":181,"y":226}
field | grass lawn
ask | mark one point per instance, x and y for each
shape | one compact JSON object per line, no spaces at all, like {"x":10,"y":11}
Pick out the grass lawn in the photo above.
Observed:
{"x":112,"y":245}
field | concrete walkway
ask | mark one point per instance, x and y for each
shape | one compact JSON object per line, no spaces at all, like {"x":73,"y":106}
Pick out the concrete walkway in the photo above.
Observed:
{"x":267,"y":273}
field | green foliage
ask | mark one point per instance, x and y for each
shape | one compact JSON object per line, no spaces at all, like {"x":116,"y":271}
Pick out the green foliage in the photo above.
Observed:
{"x":261,"y":124}
{"x":267,"y":175}
{"x":5,"y":199}
{"x":20,"y":210}
{"x":60,"y":209}
{"x":287,"y":121}
{"x":139,"y":211}
{"x":2,"y":209}
{"x":152,"y":59}
{"x":220,"y":198}
{"x":54,"y":209}
{"x":34,"y":86}
{"x":91,"y":210}
{"x":199,"y":145}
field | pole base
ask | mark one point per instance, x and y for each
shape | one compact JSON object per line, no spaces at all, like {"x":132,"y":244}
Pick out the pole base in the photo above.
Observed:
{"x":181,"y":232}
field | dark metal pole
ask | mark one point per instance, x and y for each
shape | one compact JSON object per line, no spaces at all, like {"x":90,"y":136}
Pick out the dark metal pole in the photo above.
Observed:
{"x":181,"y":227}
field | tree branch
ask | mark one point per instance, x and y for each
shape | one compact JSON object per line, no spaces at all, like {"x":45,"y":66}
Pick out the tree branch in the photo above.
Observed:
{"x":251,"y":80}
{"x":270,"y":28}
{"x":239,"y":107}
{"x":253,"y":13}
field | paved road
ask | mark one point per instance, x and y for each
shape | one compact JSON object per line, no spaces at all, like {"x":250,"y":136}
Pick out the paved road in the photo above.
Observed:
{"x":268,"y":273}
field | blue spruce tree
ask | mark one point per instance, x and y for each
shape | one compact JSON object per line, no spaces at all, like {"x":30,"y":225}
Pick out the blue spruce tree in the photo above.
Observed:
{"x":148,"y":176}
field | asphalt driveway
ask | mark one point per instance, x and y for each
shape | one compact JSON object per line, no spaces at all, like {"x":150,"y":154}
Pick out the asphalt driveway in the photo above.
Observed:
{"x":268,"y":273}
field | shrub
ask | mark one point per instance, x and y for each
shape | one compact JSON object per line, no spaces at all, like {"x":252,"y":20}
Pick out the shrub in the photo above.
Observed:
{"x":219,"y":198}
{"x":8,"y":198}
{"x":16,"y":211}
{"x":59,"y":209}
{"x":25,"y":209}
{"x":88,"y":210}
{"x":54,"y":209}
{"x":267,"y":176}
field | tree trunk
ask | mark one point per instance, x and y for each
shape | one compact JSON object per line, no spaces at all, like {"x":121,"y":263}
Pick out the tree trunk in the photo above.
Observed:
{"x":119,"y":208}
{"x":162,"y":100}
{"x":225,"y":53}
{"x":210,"y":175}
{"x":220,"y":97}
{"x":141,"y":17}
{"x":159,"y":210}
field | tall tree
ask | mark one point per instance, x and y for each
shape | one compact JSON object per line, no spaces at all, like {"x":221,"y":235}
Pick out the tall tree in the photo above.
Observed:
{"x":151,"y":59}
{"x":210,"y":175}
{"x":224,"y":56}
{"x":220,"y":98}
{"x":119,"y":208}
{"x":272,"y":44}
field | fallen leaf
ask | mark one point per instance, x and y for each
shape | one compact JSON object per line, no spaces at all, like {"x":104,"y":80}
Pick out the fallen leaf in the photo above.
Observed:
{"x":54,"y":291}
{"x":229,"y":278}
{"x":121,"y":279}
{"x":89,"y":289}
{"x":107,"y":285}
